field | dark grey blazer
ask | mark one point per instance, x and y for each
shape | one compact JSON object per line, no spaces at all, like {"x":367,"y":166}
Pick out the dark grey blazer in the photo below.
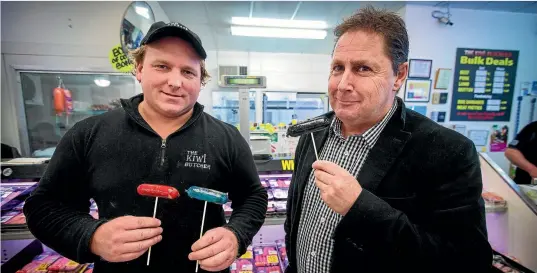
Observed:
{"x":421,"y":208}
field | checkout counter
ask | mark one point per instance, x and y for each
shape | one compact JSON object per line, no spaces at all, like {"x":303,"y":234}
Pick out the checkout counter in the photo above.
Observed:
{"x":512,"y":230}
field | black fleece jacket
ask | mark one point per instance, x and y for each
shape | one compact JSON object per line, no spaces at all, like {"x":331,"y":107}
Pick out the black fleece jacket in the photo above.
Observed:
{"x":106,"y":157}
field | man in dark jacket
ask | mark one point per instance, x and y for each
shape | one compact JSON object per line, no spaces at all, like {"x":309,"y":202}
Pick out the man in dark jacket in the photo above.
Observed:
{"x":391,"y":191}
{"x":159,"y":137}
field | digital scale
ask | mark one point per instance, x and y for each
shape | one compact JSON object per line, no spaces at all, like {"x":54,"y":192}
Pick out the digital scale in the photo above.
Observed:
{"x":243,"y":83}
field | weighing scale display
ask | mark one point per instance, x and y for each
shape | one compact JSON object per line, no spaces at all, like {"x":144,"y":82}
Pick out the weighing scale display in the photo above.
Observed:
{"x":244,"y":81}
{"x":241,"y":81}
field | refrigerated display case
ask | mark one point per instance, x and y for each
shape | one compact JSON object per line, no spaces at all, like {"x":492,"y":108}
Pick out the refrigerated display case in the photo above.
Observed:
{"x":511,"y":222}
{"x":511,"y":230}
{"x":226,"y":106}
{"x":19,"y":179}
{"x":283,"y":107}
{"x":52,"y":102}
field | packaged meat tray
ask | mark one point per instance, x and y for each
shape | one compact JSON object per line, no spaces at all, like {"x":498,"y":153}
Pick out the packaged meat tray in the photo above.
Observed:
{"x":284,"y":183}
{"x":19,"y":219}
{"x":493,"y":198}
{"x":273,"y":183}
{"x":65,"y":265}
{"x":249,"y":254}
{"x":89,"y":269}
{"x":266,"y":256}
{"x":264,"y":183}
{"x":40,"y":264}
{"x":268,"y":269}
{"x":7,"y":216}
{"x":270,"y":207}
{"x":283,"y":253}
{"x":227,"y":209}
{"x":280,"y":206}
{"x":242,"y":266}
{"x":270,"y":194}
{"x":280,"y":193}
{"x":94,"y":214}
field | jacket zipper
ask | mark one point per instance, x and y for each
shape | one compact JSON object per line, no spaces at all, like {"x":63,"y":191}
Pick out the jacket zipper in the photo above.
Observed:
{"x":162,"y":152}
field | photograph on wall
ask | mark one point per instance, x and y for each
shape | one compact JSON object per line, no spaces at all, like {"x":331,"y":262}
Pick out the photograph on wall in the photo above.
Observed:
{"x":417,"y":90}
{"x":439,"y":98}
{"x":442,"y":79}
{"x":438,"y":116}
{"x":478,"y":137}
{"x":419,"y":68}
{"x":483,"y":84}
{"x":498,"y":138}
{"x":422,"y":109}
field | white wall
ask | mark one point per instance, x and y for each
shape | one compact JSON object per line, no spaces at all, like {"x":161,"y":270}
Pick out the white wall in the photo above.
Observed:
{"x":37,"y":36}
{"x":475,"y":29}
{"x":284,"y":71}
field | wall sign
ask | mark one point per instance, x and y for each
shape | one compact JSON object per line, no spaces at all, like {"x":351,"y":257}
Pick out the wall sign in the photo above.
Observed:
{"x":479,"y":137}
{"x":442,"y":78}
{"x":119,"y":60}
{"x":417,"y":90}
{"x":419,"y":68}
{"x":483,"y":84}
{"x":498,"y":138}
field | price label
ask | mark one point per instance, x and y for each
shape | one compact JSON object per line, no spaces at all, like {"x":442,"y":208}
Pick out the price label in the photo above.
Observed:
{"x":119,"y":60}
{"x":272,"y":259}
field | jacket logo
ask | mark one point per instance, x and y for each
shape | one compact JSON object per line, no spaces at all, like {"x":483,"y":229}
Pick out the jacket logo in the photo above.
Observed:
{"x":196,"y":160}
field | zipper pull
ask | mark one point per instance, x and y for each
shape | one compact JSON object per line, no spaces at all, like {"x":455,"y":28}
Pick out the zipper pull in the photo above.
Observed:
{"x":163,"y":144}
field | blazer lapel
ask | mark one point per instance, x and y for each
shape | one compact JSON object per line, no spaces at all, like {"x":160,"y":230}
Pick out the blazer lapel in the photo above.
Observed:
{"x":391,"y":142}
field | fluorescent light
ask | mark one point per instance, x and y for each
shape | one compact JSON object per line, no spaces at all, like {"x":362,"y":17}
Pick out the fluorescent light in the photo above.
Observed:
{"x":268,"y":22}
{"x":142,"y":11}
{"x":278,"y":32}
{"x":102,"y":82}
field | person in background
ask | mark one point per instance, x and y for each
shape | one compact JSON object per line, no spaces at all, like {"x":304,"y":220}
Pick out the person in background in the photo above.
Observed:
{"x":164,"y":137}
{"x":522,"y":152}
{"x":392,"y":190}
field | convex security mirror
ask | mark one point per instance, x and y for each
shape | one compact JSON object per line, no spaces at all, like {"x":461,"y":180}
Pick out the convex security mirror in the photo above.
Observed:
{"x":136,"y":21}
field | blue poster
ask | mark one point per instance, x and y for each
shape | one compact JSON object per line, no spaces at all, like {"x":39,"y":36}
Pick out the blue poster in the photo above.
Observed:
{"x":419,"y":108}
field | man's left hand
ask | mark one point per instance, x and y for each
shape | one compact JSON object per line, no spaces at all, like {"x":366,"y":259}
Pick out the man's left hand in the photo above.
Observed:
{"x":339,"y":189}
{"x":216,"y":250}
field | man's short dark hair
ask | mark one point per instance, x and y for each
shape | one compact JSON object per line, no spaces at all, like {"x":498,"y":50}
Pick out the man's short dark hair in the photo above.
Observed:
{"x":385,"y":23}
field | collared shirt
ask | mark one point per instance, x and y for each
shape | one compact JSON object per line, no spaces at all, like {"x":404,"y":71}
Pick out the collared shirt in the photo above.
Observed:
{"x":318,"y":222}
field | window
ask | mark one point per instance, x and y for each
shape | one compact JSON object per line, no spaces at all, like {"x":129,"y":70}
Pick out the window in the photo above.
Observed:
{"x":47,"y":115}
{"x":283,"y":107}
{"x":226,"y":106}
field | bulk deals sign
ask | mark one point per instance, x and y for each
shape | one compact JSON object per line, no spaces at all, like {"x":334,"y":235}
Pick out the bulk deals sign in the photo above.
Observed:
{"x":483,"y":84}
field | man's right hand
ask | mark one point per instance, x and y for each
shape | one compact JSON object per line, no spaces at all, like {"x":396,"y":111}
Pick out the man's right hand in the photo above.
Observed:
{"x":125,"y":238}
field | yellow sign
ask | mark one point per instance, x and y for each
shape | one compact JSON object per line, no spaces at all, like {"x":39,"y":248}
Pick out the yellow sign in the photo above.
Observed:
{"x":272,"y":259}
{"x":288,"y":165}
{"x":119,"y":60}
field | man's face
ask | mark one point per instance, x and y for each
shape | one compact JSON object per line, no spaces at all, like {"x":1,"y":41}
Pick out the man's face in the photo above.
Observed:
{"x":170,"y":75}
{"x":362,"y":84}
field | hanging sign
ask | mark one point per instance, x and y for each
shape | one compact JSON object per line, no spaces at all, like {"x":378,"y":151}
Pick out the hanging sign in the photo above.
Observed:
{"x":483,"y":84}
{"x":119,"y":60}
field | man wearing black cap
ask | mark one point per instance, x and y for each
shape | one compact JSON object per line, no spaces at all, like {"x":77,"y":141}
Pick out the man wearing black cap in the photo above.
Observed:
{"x":159,"y":137}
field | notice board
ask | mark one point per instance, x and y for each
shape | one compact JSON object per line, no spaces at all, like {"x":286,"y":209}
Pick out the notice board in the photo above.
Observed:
{"x":483,"y":84}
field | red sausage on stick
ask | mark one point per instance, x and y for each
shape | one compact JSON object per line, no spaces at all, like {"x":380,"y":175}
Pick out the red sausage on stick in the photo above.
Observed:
{"x":154,"y":190}
{"x":161,"y":191}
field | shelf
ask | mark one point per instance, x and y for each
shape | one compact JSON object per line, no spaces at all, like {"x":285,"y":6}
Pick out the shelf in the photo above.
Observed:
{"x":17,"y":235}
{"x":274,"y":220}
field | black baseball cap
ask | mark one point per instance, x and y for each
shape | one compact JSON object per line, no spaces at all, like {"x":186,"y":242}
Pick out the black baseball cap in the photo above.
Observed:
{"x":160,"y":30}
